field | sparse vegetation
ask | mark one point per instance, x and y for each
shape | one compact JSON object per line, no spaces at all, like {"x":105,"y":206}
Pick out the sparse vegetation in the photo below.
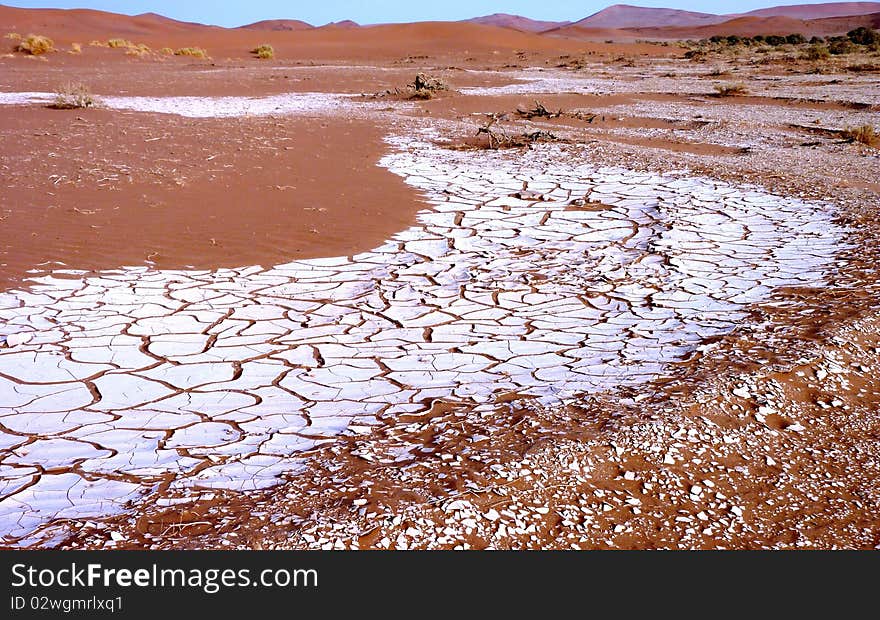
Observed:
{"x":425,"y":87}
{"x":73,"y":95}
{"x":840,"y":45}
{"x":422,"y":87}
{"x":859,"y":40}
{"x":498,"y":138}
{"x":195,"y":52}
{"x":35,"y":45}
{"x":865,"y":67}
{"x":264,"y":51}
{"x":816,"y":51}
{"x":131,"y":48}
{"x":539,"y":111}
{"x":866,"y":134}
{"x":864,"y":36}
{"x":13,"y":36}
{"x":76,"y":48}
{"x":167,"y":51}
{"x":731,"y":90}
{"x":96,"y":43}
{"x":140,"y":49}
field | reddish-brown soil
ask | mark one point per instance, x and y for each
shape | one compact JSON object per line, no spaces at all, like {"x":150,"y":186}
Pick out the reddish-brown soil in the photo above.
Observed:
{"x":98,"y":189}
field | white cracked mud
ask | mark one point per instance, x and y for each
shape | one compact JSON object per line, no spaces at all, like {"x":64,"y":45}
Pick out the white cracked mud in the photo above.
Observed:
{"x":530,"y":274}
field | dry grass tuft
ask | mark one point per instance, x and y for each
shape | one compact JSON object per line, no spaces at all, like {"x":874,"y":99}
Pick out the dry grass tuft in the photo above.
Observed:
{"x":167,"y":51}
{"x":425,"y":87}
{"x":76,"y":48}
{"x":816,"y":51}
{"x":35,"y":45}
{"x":866,"y":134}
{"x":115,"y":43}
{"x":731,"y":90}
{"x":13,"y":36}
{"x":73,"y":96}
{"x":264,"y":51}
{"x":195,"y":52}
{"x":140,"y":49}
{"x":865,"y":67}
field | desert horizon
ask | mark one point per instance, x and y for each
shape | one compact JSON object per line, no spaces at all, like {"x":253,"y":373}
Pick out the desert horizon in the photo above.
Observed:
{"x":614,"y":16}
{"x":500,"y":283}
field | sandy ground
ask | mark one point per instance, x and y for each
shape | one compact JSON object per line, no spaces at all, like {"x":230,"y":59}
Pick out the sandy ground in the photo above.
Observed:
{"x":762,"y":436}
{"x":97,"y":189}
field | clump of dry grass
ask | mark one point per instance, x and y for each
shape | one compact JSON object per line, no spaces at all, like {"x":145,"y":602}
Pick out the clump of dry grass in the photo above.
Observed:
{"x":167,"y":51}
{"x":76,"y":48}
{"x":115,"y":43}
{"x":140,"y":49}
{"x":817,"y":51}
{"x":97,"y":43}
{"x":731,"y":90}
{"x":264,"y":51}
{"x":195,"y":52}
{"x":425,"y":87}
{"x":422,"y":87}
{"x":72,"y":96}
{"x":864,"y":67}
{"x":866,"y":134}
{"x":13,"y":36}
{"x":35,"y":45}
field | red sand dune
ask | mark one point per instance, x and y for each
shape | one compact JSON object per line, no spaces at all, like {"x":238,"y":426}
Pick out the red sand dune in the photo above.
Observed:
{"x":742,"y":26}
{"x":294,"y":39}
{"x":627,"y":16}
{"x":426,"y":38}
{"x":344,"y":24}
{"x":594,"y":34}
{"x":751,"y":26}
{"x":162,"y":21}
{"x":344,"y":40}
{"x":624,"y":22}
{"x":89,"y":22}
{"x":278,"y":25}
{"x":516,"y":22}
{"x":841,"y":25}
{"x":819,"y":11}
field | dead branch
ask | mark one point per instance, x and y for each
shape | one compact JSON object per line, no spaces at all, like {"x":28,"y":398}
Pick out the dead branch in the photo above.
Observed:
{"x":539,"y":111}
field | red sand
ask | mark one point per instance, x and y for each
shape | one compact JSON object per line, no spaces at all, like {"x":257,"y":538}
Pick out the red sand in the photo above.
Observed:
{"x":122,"y":189}
{"x":389,"y":41}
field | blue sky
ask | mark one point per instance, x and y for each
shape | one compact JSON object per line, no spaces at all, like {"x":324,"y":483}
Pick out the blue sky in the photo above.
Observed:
{"x":227,"y":13}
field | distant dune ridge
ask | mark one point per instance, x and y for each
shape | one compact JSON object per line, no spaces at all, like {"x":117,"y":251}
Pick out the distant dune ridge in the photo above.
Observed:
{"x":516,"y":22}
{"x":818,"y":11}
{"x":627,"y":16}
{"x":346,"y":23}
{"x":278,"y":25}
{"x":620,"y":22}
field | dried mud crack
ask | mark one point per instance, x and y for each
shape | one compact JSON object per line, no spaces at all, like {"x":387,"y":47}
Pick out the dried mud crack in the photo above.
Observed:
{"x":657,"y":334}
